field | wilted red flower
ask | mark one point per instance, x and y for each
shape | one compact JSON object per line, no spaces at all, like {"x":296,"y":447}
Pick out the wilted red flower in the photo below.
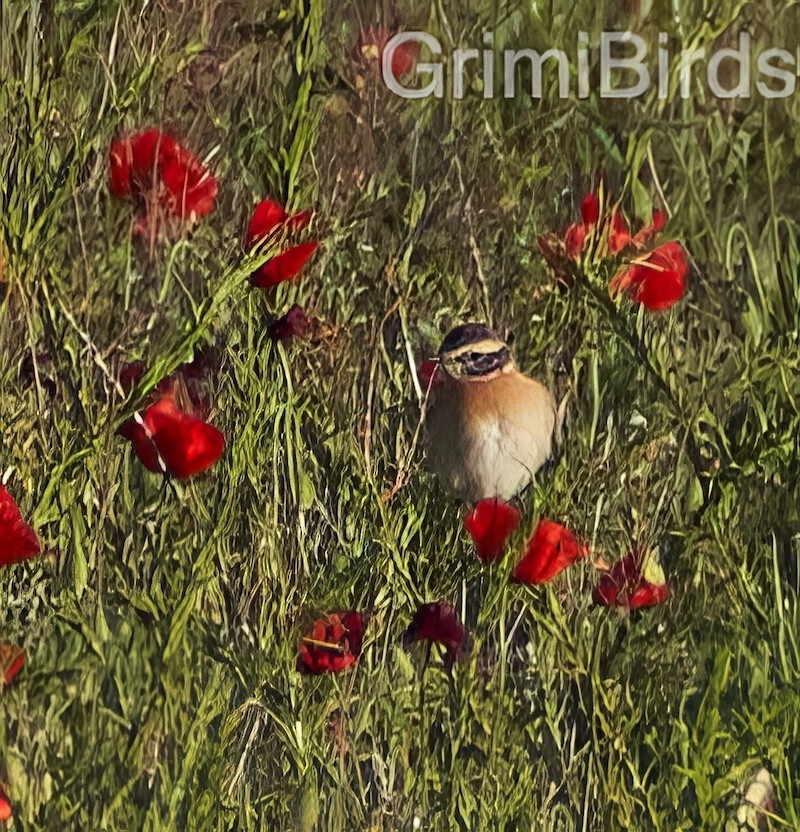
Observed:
{"x":294,"y":324}
{"x":333,"y":645}
{"x":633,"y":582}
{"x":130,"y":375}
{"x":371,"y":45}
{"x":270,"y":218}
{"x":6,"y":809}
{"x":551,"y":549}
{"x":12,"y":660}
{"x":657,"y":280}
{"x":165,"y":434}
{"x":18,"y":541}
{"x":438,"y":622}
{"x":162,"y":177}
{"x":206,"y":359}
{"x":490,"y":524}
{"x":38,"y":368}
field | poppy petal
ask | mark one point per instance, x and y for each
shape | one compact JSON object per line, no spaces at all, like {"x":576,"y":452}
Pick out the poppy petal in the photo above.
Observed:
{"x":267,"y":216}
{"x":120,"y":169}
{"x":284,"y":266}
{"x":192,"y":189}
{"x":148,"y":148}
{"x":575,"y":239}
{"x":18,"y":540}
{"x":658,"y":280}
{"x":143,"y":446}
{"x":490,"y":525}
{"x":590,"y":209}
{"x":6,"y":809}
{"x":187,"y":445}
{"x":551,"y":549}
{"x":298,"y":221}
{"x":438,"y":622}
{"x":619,"y":236}
{"x":134,"y":162}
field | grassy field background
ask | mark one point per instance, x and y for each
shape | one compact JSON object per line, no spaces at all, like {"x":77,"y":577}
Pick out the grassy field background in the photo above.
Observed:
{"x":160,"y":691}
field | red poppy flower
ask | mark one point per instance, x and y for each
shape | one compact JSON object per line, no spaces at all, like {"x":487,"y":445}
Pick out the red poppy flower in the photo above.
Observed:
{"x":551,"y":549}
{"x":18,"y":541}
{"x":6,"y":809}
{"x":438,"y":623}
{"x":333,"y":645}
{"x":611,"y":232}
{"x":12,"y":660}
{"x":614,"y":230}
{"x":168,"y":440}
{"x":633,"y":582}
{"x":657,"y":280}
{"x":430,"y":375}
{"x":188,"y":377}
{"x":294,"y":324}
{"x":490,"y":524}
{"x":270,"y":218}
{"x":170,"y":434}
{"x":371,"y":45}
{"x":162,"y":177}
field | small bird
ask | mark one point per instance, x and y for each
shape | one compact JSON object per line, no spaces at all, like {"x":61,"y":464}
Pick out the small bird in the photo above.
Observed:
{"x":490,"y":428}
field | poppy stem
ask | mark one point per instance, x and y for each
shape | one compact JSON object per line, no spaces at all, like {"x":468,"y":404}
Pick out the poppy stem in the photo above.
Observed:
{"x":634,"y":343}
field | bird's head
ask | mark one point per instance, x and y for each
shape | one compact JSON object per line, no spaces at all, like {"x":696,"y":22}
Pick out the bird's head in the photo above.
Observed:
{"x":473,"y":351}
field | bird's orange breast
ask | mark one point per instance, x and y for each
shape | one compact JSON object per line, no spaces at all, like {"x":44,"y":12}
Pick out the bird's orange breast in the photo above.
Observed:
{"x":488,"y":437}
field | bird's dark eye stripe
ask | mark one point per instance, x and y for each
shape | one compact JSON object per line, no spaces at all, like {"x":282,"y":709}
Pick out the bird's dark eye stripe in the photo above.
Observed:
{"x":483,"y":363}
